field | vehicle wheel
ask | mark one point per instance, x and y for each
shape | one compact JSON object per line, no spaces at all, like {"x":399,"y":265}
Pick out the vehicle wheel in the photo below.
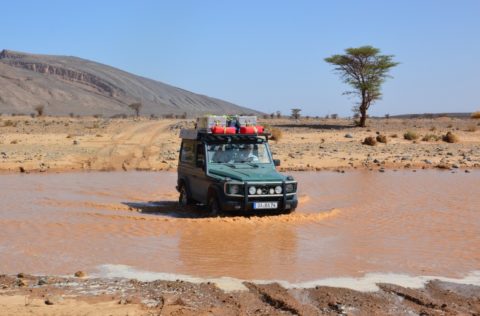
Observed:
{"x":184,"y":199}
{"x":213,"y":206}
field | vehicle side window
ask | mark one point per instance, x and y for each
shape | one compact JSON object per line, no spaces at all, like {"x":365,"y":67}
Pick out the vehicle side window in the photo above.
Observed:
{"x":200,"y":153}
{"x":188,"y":151}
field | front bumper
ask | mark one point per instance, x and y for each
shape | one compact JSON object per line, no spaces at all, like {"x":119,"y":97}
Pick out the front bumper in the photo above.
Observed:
{"x":239,"y":205}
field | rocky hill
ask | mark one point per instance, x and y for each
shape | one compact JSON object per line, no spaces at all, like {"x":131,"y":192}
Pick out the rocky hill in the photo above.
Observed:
{"x":65,"y":85}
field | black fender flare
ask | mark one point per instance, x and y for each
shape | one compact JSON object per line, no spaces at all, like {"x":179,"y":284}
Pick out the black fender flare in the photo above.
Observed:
{"x":214,"y":189}
{"x":184,"y":181}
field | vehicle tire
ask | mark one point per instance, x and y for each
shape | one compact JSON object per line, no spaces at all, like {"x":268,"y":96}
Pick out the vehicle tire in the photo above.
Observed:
{"x":184,"y":199}
{"x":213,"y":206}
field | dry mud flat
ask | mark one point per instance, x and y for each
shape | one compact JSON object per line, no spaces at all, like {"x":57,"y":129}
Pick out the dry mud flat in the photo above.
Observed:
{"x":33,"y":295}
{"x":65,"y":144}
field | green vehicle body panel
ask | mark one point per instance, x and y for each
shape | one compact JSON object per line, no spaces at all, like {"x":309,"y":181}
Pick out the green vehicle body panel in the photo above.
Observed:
{"x":245,"y":172}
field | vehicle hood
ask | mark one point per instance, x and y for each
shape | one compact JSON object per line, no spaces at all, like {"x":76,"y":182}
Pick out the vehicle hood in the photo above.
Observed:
{"x":247,"y":173}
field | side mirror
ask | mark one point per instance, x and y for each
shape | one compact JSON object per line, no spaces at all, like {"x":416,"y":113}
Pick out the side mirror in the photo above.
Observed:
{"x":276,"y":162}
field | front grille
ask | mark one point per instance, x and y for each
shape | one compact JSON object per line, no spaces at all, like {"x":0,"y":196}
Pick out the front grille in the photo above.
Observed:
{"x":266,"y":189}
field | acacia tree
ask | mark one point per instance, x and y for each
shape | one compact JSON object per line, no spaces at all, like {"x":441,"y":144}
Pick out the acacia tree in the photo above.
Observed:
{"x":296,"y":114}
{"x":136,"y":107}
{"x":364,"y":69}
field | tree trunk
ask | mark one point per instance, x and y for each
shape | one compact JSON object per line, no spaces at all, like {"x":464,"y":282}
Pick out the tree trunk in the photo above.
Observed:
{"x":363,"y":109}
{"x":363,"y":118}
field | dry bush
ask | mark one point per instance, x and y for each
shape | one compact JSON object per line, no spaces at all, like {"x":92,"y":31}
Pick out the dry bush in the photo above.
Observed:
{"x":433,"y":128}
{"x":475,"y":115}
{"x":471,"y":128}
{"x":370,"y":141}
{"x":382,"y":139}
{"x":8,"y":123}
{"x":430,"y":138}
{"x":409,"y":135}
{"x":39,"y":109}
{"x":276,"y":134}
{"x":450,"y":138}
{"x":394,"y":136}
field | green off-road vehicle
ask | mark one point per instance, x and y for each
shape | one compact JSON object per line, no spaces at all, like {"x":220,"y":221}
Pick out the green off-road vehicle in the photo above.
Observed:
{"x":232,"y":173}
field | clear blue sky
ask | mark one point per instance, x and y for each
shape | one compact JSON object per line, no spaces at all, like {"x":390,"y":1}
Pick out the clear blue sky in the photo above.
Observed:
{"x":267,"y":55}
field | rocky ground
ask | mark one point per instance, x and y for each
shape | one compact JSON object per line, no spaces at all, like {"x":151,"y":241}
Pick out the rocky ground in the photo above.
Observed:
{"x":62,"y":144}
{"x":33,"y":295}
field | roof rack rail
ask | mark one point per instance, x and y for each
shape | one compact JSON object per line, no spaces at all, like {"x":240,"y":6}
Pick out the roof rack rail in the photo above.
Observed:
{"x":195,"y":134}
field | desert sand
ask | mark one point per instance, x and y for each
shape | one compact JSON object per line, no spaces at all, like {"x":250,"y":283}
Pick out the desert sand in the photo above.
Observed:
{"x":66,"y":144}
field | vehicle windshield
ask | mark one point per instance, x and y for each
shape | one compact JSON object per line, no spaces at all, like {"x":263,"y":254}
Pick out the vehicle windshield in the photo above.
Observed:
{"x":238,"y":153}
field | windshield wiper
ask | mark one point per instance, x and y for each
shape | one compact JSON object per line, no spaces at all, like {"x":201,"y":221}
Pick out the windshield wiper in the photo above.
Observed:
{"x":231,"y":165}
{"x":252,"y":164}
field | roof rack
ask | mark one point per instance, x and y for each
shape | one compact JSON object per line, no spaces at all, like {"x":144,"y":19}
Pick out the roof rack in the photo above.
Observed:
{"x":195,"y":134}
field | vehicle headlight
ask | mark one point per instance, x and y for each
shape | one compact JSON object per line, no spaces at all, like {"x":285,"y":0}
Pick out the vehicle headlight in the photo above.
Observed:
{"x":252,"y":190}
{"x":278,"y":189}
{"x":271,"y":191}
{"x":234,"y":189}
{"x":289,"y":188}
{"x":259,"y":191}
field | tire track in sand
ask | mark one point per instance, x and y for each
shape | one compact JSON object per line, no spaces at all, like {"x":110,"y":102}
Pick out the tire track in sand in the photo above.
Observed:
{"x":134,"y":148}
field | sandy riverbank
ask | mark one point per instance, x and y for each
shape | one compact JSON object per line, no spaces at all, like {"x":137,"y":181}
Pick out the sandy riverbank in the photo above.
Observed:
{"x":33,"y":295}
{"x":66,"y":144}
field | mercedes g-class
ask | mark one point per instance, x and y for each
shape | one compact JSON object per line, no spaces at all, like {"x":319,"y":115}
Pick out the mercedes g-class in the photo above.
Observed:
{"x":232,"y":172}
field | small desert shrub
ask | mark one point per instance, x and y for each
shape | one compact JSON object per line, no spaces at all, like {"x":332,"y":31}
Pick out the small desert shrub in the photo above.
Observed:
{"x":450,"y":138}
{"x":370,"y":141}
{"x":409,"y":135}
{"x":39,"y":109}
{"x":119,"y":116}
{"x":13,"y":142}
{"x":471,"y":128}
{"x":449,"y":126}
{"x":8,"y":123}
{"x":394,"y":136}
{"x":382,"y":139}
{"x":430,"y":138}
{"x":475,"y":115}
{"x":277,"y":134}
{"x":433,"y":129}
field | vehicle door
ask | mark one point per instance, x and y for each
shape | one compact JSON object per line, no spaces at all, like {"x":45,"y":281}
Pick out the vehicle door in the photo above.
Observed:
{"x":186,"y":164}
{"x":200,"y":181}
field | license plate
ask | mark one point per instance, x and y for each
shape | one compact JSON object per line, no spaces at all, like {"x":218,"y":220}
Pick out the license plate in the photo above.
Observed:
{"x":265,"y":205}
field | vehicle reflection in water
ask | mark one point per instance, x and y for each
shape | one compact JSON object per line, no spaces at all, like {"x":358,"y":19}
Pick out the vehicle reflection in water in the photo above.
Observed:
{"x":346,"y":225}
{"x":248,"y":249}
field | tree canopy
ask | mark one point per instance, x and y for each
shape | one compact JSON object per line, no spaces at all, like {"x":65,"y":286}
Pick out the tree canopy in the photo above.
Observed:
{"x":137,"y":106}
{"x":365,"y":70}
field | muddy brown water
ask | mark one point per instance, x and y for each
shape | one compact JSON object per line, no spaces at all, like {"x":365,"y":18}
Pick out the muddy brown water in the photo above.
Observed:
{"x":416,"y":223}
